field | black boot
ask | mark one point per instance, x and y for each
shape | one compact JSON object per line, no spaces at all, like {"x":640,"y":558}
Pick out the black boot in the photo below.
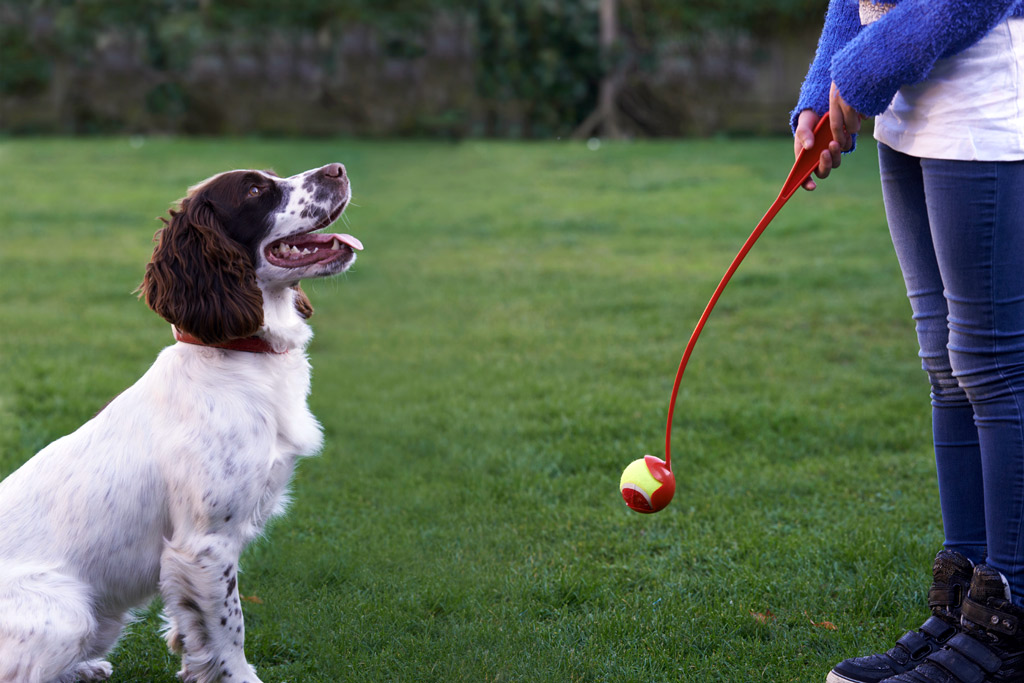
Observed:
{"x":951,"y":577}
{"x":990,"y":645}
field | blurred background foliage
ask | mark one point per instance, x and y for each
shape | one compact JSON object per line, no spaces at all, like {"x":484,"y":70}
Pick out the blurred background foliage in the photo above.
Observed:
{"x":454,"y":68}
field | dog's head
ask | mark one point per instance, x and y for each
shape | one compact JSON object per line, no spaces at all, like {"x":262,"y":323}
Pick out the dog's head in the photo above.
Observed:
{"x":240,"y":234}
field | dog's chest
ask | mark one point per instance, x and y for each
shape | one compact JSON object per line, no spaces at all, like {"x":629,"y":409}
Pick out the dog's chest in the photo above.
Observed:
{"x":241,"y":423}
{"x":298,"y":433}
{"x":258,"y":401}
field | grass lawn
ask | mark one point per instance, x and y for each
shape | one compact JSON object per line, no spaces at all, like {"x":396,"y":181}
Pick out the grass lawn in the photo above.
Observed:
{"x":504,"y":347}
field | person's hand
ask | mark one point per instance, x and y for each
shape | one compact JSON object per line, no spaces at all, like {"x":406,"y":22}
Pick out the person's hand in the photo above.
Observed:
{"x":845,"y":119}
{"x":803,"y":138}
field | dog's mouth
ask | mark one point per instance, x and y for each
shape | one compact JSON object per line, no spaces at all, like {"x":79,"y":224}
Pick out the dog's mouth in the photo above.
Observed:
{"x":313,"y":248}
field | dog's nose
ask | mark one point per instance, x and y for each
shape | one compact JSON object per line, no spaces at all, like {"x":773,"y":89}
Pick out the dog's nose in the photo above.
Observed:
{"x":334,"y":171}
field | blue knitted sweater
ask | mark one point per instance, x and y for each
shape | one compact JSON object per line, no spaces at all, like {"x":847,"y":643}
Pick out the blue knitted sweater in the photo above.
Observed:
{"x":870,"y":63}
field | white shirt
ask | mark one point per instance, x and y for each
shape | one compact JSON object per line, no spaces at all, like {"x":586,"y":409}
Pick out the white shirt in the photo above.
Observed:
{"x":971,"y":106}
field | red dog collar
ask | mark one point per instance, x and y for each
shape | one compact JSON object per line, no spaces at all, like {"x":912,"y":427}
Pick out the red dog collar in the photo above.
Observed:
{"x":247,"y":344}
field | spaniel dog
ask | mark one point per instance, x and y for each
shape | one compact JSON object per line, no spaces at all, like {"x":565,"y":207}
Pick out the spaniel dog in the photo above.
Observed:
{"x":164,"y":487}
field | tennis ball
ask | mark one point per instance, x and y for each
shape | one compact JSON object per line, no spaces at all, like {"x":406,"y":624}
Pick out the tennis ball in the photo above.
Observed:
{"x":647,"y":485}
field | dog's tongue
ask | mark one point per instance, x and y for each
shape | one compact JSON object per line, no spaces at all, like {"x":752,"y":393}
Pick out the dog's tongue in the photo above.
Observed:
{"x":349,"y":240}
{"x":304,"y":250}
{"x":324,"y":238}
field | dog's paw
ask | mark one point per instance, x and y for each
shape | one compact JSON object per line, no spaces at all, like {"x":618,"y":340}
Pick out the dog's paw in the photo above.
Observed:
{"x":94,"y":670}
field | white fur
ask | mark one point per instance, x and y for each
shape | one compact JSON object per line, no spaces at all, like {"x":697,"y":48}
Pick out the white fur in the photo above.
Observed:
{"x":159,"y":492}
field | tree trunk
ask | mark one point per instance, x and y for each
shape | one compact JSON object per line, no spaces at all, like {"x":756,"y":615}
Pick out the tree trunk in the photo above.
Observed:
{"x":604,"y":120}
{"x":610,"y":82}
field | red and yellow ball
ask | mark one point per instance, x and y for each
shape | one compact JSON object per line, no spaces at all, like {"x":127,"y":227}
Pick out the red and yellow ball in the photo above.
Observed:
{"x":647,"y":485}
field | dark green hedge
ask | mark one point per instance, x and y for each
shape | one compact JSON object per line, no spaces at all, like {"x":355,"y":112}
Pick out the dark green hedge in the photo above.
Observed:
{"x":537,"y":62}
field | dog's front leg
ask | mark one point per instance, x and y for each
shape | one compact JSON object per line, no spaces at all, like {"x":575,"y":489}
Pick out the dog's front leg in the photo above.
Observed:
{"x":199,"y":585}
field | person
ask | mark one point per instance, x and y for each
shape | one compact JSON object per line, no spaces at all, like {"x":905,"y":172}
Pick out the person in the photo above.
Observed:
{"x":945,"y":81}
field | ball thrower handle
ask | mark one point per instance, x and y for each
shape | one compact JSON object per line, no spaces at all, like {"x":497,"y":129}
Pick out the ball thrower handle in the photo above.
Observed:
{"x":805,"y":164}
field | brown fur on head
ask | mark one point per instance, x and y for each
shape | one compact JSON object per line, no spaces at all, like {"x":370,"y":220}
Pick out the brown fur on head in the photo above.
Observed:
{"x":238,"y":235}
{"x":199,"y":279}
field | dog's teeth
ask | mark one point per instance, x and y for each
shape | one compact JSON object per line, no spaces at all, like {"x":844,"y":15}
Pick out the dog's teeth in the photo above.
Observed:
{"x":291,"y":251}
{"x":335,"y":245}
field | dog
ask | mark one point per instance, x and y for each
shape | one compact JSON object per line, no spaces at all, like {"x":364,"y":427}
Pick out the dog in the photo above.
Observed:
{"x":162,"y":490}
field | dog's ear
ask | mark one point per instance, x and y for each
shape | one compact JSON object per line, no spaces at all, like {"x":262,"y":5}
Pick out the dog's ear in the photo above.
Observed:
{"x":302,"y":303}
{"x":200,"y":280}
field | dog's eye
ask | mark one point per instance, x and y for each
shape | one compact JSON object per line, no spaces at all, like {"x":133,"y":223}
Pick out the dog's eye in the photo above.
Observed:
{"x":254,"y":191}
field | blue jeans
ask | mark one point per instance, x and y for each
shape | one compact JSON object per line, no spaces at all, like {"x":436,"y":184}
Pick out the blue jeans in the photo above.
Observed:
{"x":958,"y":229}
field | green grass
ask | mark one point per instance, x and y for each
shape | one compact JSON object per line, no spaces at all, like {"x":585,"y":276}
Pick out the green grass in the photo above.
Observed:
{"x":503,"y":349}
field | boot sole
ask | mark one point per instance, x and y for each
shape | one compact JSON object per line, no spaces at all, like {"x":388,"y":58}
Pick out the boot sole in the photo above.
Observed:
{"x":833,"y":677}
